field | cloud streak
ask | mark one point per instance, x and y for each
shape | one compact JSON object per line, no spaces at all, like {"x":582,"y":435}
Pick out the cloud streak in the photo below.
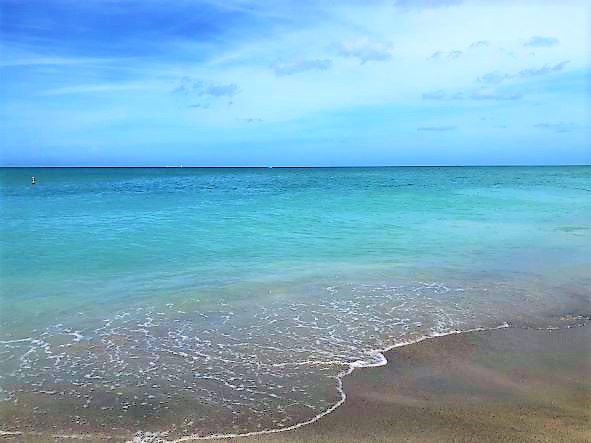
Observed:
{"x":494,"y":95}
{"x":476,"y":95}
{"x":480,"y":44}
{"x":443,"y":55}
{"x":301,"y":65}
{"x":436,"y":128}
{"x":198,"y":106}
{"x":556,"y":127}
{"x":95,"y":88}
{"x":541,"y":42}
{"x":497,"y":77}
{"x":228,"y":90}
{"x":188,"y":86}
{"x":457,"y":53}
{"x":366,"y":50}
{"x":546,"y":69}
{"x":407,"y":5}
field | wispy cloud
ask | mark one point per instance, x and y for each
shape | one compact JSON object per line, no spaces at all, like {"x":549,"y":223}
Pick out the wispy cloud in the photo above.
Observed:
{"x":546,"y":69}
{"x":493,"y":78}
{"x":457,"y":53}
{"x":301,"y":65}
{"x":425,"y":4}
{"x":446,"y":55}
{"x":189,"y":86}
{"x":186,"y":85}
{"x":478,"y":95}
{"x":228,"y":90}
{"x":556,"y":127}
{"x":480,"y":44}
{"x":95,"y":88}
{"x":52,"y":61}
{"x":436,"y":128}
{"x":497,"y":77}
{"x":541,"y":42}
{"x":485,"y":94}
{"x":366,"y":50}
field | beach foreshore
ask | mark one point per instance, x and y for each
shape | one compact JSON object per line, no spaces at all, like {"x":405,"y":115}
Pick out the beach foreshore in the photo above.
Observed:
{"x":513,"y":384}
{"x":510,"y":385}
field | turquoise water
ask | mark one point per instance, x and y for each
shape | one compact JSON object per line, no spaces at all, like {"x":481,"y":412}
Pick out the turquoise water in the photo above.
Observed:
{"x":245,"y":293}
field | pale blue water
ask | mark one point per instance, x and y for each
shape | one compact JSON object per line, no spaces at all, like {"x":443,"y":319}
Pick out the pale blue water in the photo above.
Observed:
{"x":241,"y":294}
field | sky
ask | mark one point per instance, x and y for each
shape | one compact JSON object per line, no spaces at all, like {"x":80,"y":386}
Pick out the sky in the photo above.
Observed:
{"x":300,"y":83}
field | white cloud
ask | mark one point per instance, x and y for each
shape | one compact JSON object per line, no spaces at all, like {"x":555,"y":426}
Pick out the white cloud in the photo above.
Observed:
{"x":451,"y":55}
{"x":541,"y":42}
{"x":366,"y":50}
{"x":480,"y":44}
{"x":188,"y":86}
{"x":478,"y":95}
{"x":301,"y":65}
{"x":94,"y":88}
{"x":425,"y":4}
{"x":497,"y":77}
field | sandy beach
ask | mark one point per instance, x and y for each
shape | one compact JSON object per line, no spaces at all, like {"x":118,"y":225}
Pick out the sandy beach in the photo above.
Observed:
{"x":510,"y":385}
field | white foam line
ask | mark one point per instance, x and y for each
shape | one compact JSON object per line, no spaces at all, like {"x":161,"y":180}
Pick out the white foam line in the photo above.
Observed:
{"x":352,"y":366}
{"x":340,"y":390}
{"x":10,"y":433}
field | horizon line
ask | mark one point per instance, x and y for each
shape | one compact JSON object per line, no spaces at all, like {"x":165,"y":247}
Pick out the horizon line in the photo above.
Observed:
{"x":286,"y":166}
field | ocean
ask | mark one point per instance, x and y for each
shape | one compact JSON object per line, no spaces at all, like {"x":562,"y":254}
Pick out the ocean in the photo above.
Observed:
{"x":227,"y":301}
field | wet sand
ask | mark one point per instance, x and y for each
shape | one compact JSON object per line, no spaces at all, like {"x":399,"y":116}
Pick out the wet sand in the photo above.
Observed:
{"x":510,"y":385}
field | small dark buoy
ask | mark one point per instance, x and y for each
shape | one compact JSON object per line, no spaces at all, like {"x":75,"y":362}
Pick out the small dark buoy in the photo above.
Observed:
{"x":32,"y":180}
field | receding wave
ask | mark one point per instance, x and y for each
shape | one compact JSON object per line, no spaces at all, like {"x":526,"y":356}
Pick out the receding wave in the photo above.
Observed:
{"x":194,"y":369}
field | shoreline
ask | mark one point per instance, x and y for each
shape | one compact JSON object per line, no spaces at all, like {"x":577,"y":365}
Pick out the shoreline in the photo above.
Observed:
{"x":574,"y":321}
{"x":350,"y":369}
{"x":369,"y":399}
{"x":148,"y":437}
{"x":331,"y":421}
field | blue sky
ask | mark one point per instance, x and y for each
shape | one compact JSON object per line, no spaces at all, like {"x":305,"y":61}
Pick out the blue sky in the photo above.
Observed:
{"x":251,"y":82}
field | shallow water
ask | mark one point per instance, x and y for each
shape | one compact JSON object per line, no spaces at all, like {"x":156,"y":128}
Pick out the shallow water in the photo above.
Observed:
{"x":218,"y":301}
